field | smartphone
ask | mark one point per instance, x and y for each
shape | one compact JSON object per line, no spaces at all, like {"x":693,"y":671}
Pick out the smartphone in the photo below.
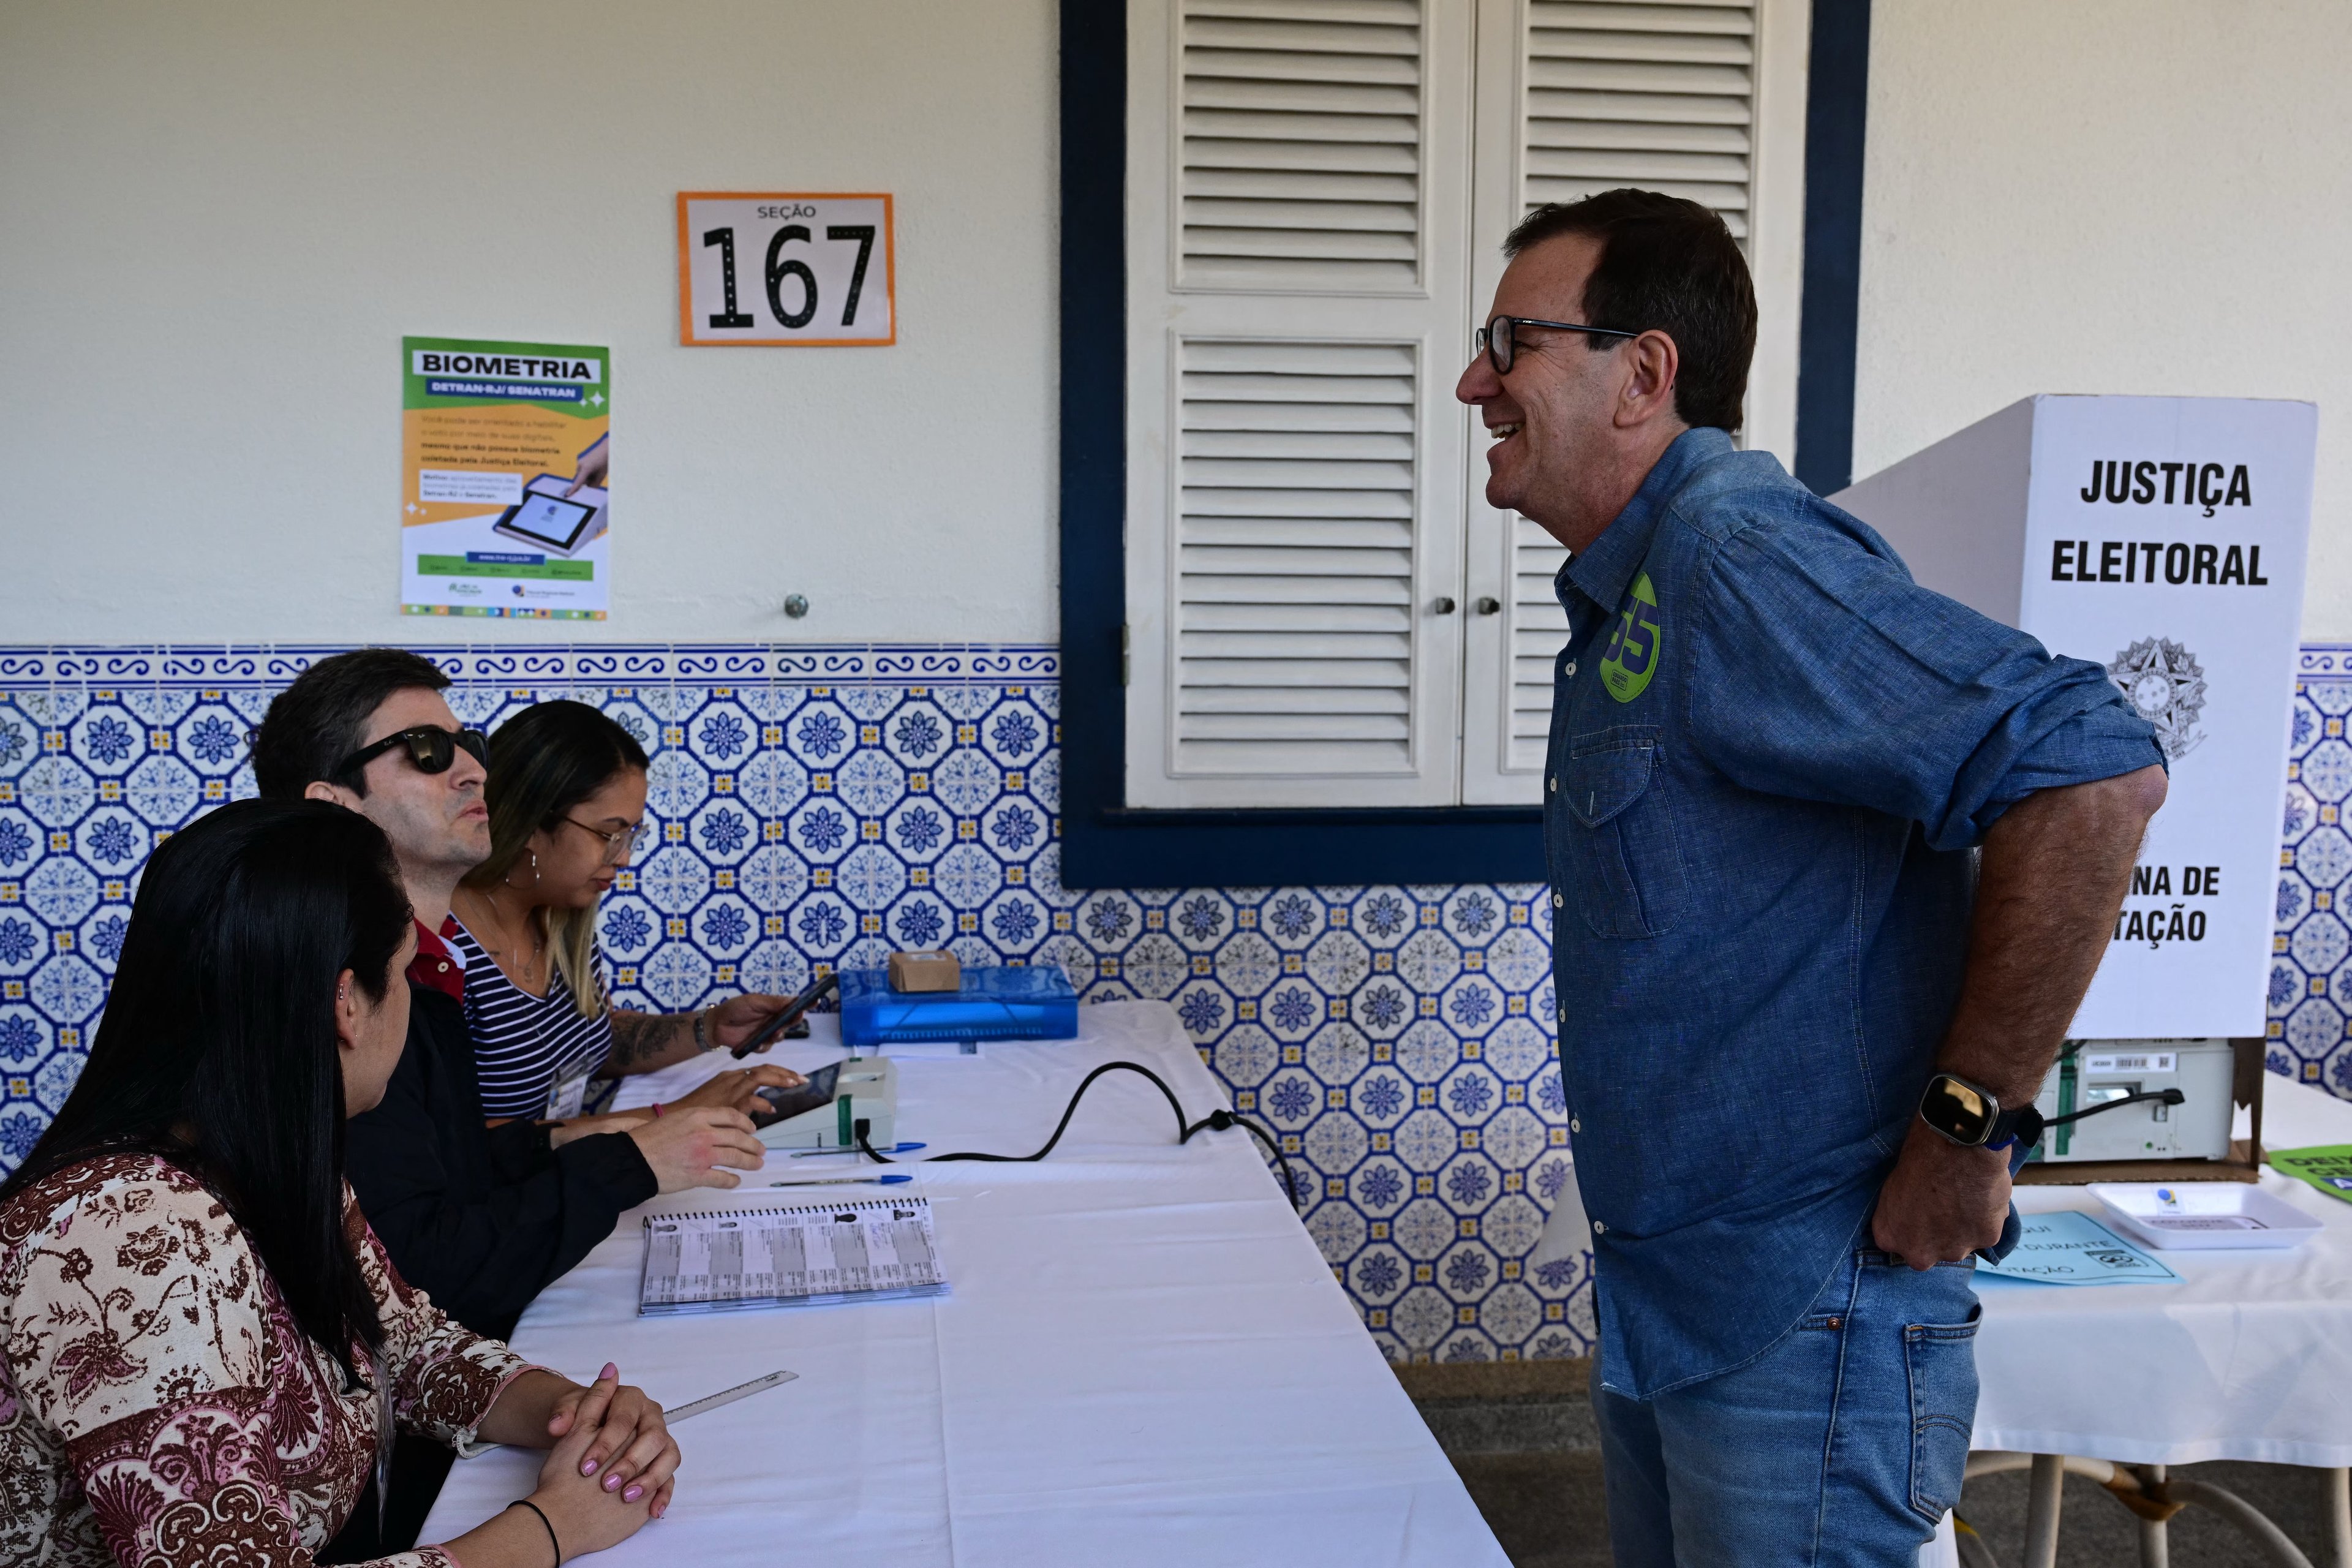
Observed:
{"x":774,"y":1028}
{"x":782,"y":1102}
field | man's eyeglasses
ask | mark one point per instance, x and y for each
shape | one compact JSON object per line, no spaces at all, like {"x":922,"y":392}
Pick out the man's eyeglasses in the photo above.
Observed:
{"x":431,"y":750}
{"x":619,"y":844}
{"x":1500,"y":337}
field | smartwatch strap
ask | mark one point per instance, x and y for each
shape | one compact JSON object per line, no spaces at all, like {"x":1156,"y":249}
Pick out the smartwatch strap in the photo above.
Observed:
{"x":2022,"y":1126}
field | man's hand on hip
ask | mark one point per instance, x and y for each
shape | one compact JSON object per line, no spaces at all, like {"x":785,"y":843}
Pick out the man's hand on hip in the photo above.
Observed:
{"x":2052,"y":876}
{"x":1941,"y":1202}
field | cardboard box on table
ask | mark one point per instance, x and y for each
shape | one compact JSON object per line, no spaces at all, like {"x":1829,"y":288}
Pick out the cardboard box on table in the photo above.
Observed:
{"x":2163,"y":538}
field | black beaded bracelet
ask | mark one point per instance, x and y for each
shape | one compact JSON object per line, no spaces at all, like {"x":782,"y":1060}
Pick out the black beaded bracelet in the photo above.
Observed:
{"x":526,"y":1502}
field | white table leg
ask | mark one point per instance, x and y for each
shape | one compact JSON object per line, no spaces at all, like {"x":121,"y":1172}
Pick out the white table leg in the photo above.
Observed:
{"x":2138,"y":1487}
{"x":2042,"y":1505}
{"x":2339,"y":1515}
{"x":2154,"y":1534}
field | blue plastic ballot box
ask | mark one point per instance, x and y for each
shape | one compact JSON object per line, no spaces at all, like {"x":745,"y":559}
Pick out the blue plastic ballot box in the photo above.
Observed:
{"x":998,"y":1003}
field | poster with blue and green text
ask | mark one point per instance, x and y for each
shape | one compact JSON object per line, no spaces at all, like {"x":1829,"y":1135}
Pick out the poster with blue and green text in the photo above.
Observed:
{"x":506,"y":479}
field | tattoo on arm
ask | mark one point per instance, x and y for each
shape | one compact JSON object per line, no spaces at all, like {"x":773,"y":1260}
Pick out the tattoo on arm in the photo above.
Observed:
{"x":642,"y":1041}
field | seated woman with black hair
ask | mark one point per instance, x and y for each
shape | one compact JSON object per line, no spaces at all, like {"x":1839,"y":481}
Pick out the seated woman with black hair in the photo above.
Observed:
{"x":202,"y":1350}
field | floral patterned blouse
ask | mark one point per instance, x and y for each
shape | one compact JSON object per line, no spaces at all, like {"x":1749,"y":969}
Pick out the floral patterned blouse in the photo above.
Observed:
{"x":159,"y":1405}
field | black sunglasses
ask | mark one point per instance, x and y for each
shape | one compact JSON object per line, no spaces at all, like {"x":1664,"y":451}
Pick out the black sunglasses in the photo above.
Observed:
{"x":1499,"y":337}
{"x":430,"y":748}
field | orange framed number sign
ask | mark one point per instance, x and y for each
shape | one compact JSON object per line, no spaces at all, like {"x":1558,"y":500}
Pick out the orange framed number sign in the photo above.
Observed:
{"x":776,"y":269}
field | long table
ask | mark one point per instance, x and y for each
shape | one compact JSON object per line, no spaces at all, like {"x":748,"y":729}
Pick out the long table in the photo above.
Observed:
{"x":1142,"y":1358}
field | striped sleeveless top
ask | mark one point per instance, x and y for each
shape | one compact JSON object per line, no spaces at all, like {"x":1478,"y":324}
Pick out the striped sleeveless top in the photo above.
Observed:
{"x":524,"y":1045}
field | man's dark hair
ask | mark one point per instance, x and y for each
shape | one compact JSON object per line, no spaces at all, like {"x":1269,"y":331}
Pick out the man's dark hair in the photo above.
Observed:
{"x":316,"y":722}
{"x":1670,"y":265}
{"x":218,"y":1053}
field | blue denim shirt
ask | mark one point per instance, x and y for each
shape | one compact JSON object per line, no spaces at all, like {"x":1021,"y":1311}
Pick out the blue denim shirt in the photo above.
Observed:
{"x":1772,"y":752}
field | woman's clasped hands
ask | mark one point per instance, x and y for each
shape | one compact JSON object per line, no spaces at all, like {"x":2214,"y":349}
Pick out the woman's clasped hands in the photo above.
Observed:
{"x":612,"y":1468}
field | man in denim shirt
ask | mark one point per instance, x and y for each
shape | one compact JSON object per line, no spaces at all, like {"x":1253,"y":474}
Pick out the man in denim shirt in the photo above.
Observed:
{"x":1771,"y":756}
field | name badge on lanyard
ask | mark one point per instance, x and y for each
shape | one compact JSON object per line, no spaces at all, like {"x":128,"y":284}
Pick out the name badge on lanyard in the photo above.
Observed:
{"x":570,"y":1090}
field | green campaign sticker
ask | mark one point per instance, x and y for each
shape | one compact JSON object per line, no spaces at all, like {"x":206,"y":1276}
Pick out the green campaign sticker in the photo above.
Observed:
{"x":2327,"y":1167}
{"x":1633,"y":653}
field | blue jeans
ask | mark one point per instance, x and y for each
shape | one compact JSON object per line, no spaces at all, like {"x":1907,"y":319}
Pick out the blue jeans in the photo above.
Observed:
{"x":1844,"y":1444}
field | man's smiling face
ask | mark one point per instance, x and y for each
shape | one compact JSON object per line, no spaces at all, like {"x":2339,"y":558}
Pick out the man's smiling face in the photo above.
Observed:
{"x":1550,"y":416}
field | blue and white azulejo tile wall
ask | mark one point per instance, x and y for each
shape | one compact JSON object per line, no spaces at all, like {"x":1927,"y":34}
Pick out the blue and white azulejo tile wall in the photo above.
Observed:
{"x":821,"y":805}
{"x":2310,"y":1024}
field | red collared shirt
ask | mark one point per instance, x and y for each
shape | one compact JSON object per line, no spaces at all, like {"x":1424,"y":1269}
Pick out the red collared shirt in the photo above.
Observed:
{"x":434,"y":964}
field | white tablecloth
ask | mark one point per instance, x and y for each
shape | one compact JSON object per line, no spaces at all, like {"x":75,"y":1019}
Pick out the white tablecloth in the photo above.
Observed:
{"x":2248,"y":1357}
{"x":1143,"y":1358}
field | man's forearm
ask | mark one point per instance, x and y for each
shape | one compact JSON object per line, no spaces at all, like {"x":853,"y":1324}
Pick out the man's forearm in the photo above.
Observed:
{"x":642,"y":1042}
{"x":2053,"y":873}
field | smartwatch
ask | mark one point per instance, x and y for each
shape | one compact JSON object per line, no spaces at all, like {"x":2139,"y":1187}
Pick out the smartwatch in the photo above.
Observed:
{"x":1971,"y":1116}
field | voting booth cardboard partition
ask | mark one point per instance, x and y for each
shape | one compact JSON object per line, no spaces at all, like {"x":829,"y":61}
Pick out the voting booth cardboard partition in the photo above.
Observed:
{"x":2162,"y":538}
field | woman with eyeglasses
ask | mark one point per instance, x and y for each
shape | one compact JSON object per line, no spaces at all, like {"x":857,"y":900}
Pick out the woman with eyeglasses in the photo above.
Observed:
{"x":204,"y":1350}
{"x":567,"y":799}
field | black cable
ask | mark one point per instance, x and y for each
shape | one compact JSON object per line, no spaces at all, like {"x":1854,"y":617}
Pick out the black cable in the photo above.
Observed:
{"x":2169,"y":1097}
{"x":1215,"y":1121}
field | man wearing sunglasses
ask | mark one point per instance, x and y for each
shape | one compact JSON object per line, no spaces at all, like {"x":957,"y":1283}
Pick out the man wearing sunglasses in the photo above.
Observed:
{"x":483,"y":1218}
{"x":1829,"y":854}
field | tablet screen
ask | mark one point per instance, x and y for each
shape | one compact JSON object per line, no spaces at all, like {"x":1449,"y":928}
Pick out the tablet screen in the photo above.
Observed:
{"x":551,"y":520}
{"x":818,"y":1091}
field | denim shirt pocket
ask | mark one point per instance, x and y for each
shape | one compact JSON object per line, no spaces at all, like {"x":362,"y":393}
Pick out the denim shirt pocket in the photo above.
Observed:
{"x":1624,"y":858}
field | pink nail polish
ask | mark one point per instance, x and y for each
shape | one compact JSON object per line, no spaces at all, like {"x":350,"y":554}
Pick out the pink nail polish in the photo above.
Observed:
{"x":611,"y":1482}
{"x":588,"y":1468}
{"x":632,"y":1494}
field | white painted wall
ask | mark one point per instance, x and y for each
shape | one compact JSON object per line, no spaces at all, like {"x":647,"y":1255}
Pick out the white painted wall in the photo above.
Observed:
{"x":2111,"y":197}
{"x":216,"y":222}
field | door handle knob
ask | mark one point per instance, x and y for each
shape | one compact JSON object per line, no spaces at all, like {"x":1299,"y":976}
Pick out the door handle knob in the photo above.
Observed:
{"x":1442,"y":606}
{"x":1489,"y":606}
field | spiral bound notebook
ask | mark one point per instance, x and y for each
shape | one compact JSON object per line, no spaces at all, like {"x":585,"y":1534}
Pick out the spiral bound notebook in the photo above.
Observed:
{"x":809,"y":1254}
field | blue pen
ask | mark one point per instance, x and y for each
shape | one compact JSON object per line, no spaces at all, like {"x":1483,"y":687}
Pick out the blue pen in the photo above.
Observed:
{"x":893,"y":1148}
{"x":844,"y":1182}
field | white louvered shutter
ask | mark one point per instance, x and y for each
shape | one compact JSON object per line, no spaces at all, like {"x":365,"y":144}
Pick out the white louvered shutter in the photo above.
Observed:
{"x":1296,"y":294}
{"x":1294,"y":557}
{"x":1659,"y":96}
{"x":1702,"y":100}
{"x":1300,"y":144}
{"x":1537,"y":630}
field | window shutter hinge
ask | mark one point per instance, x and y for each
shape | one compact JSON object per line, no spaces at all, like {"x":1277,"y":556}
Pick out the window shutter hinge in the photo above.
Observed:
{"x":1126,"y":648}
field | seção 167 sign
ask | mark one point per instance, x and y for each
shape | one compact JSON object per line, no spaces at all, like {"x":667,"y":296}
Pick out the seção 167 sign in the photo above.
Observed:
{"x":786,"y":268}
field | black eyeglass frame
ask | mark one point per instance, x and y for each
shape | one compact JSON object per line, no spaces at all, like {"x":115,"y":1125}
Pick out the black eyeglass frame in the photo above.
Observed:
{"x":635,"y":838}
{"x":431,"y":750}
{"x":1502,"y":347}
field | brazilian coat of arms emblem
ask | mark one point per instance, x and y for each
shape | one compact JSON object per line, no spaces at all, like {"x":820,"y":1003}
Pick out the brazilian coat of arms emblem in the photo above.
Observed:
{"x":2166,"y":688}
